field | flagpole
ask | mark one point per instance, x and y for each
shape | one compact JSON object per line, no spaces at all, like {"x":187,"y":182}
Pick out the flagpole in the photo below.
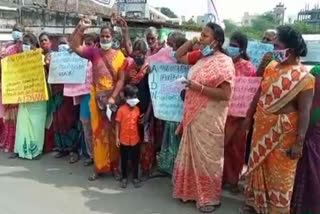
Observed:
{"x":65,"y":16}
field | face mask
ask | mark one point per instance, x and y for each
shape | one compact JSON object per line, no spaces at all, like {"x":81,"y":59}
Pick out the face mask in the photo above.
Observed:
{"x":106,"y":45}
{"x":233,"y":51}
{"x":17,"y":35}
{"x":26,"y":47}
{"x":115,"y":44}
{"x":139,"y":60}
{"x":173,"y":56}
{"x":133,"y":102}
{"x":207,"y":50}
{"x":63,"y":47}
{"x":280,"y":55}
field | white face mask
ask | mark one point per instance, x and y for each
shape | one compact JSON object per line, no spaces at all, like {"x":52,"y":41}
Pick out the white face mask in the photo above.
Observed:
{"x":106,"y":45}
{"x":280,"y":55}
{"x":133,"y":102}
{"x":26,"y":47}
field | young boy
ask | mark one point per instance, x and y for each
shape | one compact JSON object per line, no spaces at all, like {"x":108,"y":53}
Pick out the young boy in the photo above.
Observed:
{"x":127,"y":134}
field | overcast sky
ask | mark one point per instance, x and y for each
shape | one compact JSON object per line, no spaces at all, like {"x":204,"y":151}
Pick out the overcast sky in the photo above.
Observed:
{"x":232,"y":9}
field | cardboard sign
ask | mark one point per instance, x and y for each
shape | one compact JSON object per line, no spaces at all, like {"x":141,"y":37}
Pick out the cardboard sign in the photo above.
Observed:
{"x":256,"y":50}
{"x":67,"y":67}
{"x":244,"y":91}
{"x":23,"y":78}
{"x":165,"y":89}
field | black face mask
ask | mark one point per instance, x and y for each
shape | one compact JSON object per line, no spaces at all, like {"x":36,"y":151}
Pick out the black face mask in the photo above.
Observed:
{"x":139,"y":60}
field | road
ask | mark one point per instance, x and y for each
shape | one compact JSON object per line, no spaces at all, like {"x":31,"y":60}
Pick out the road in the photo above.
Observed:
{"x":55,"y":187}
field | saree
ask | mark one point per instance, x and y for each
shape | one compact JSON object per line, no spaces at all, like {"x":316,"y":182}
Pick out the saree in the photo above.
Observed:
{"x":197,"y":174}
{"x":306,"y":191}
{"x":271,"y":172}
{"x":104,"y":150}
{"x":235,"y":141}
{"x":30,"y":129}
{"x":10,"y":114}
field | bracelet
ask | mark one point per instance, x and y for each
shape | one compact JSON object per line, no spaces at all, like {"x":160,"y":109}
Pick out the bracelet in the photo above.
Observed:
{"x":202,"y":88}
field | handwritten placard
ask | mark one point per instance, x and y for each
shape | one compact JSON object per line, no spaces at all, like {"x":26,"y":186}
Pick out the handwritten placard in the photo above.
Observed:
{"x":67,"y":67}
{"x":244,"y":90}
{"x":256,"y":50}
{"x":23,"y":78}
{"x":165,"y":90}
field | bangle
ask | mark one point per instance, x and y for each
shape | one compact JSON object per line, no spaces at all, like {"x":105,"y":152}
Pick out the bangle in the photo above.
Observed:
{"x":202,"y":88}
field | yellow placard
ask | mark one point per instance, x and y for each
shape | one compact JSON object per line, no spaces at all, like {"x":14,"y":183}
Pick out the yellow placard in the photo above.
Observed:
{"x":23,"y":78}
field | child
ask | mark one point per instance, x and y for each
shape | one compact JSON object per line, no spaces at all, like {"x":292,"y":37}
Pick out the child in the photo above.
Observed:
{"x":127,"y":134}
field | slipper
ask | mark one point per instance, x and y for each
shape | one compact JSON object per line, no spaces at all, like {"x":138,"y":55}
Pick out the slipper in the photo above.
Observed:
{"x":247,"y":209}
{"x":74,"y":157}
{"x":88,"y":162}
{"x":61,"y":154}
{"x":207,"y":209}
{"x":93,"y":177}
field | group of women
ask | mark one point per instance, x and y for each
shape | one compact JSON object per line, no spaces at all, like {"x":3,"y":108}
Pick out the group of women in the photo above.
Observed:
{"x":204,"y":152}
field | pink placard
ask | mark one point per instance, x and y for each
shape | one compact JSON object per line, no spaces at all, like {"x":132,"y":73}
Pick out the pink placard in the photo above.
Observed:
{"x":244,"y":90}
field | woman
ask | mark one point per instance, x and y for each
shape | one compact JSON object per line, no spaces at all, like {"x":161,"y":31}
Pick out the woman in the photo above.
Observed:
{"x":306,"y":192}
{"x":197,"y":174}
{"x":235,"y":141}
{"x":108,"y":81}
{"x":281,"y":121}
{"x":31,"y":118}
{"x":11,"y":111}
{"x":45,"y":45}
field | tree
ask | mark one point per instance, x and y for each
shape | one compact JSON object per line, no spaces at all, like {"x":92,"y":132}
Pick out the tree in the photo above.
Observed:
{"x":168,"y":12}
{"x":264,"y":22}
{"x":191,"y":22}
{"x":230,"y":26}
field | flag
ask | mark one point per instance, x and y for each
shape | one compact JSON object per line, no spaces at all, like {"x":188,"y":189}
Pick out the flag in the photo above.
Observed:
{"x":214,"y":14}
{"x":105,"y":3}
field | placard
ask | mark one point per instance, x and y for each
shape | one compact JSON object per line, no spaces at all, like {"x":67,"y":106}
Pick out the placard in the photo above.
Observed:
{"x":23,"y":78}
{"x":67,"y":67}
{"x":244,"y":91}
{"x":165,"y":90}
{"x":256,"y":50}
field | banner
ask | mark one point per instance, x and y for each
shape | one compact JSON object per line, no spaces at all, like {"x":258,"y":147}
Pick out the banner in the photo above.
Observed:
{"x":244,"y":90}
{"x":67,"y":67}
{"x":23,"y":78}
{"x":256,"y":50}
{"x":165,"y":90}
{"x":105,"y":3}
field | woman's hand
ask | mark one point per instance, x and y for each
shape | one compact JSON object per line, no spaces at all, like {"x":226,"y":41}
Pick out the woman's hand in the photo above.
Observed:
{"x":295,"y":152}
{"x":84,"y":24}
{"x":192,"y":85}
{"x":118,"y":143}
{"x":47,"y":59}
{"x":111,"y":101}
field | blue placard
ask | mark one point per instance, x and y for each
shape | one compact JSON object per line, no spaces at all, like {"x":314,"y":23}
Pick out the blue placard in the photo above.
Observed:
{"x":67,"y":67}
{"x":165,"y":90}
{"x":256,"y":50}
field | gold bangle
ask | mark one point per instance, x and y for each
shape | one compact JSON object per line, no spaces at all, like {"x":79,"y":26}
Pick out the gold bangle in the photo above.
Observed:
{"x":202,"y":88}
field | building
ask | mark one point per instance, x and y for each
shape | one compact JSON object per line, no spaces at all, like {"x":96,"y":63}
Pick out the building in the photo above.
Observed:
{"x":310,"y":16}
{"x":279,"y":13}
{"x":247,"y":19}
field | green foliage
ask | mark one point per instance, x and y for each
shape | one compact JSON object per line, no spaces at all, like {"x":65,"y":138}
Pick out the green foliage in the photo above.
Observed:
{"x":264,"y":22}
{"x":305,"y":28}
{"x":166,"y":11}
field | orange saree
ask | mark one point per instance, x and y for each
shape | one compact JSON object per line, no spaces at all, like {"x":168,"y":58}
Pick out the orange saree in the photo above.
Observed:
{"x":271,"y":172}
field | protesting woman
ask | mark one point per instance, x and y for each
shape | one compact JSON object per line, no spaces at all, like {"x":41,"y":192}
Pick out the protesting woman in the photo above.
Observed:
{"x":31,"y":118}
{"x":197,"y":175}
{"x":235,"y":141}
{"x":108,"y":81}
{"x":281,"y":121}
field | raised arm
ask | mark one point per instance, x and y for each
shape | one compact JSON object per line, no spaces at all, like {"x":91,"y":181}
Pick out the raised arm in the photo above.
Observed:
{"x":126,"y":37}
{"x":77,"y":36}
{"x":182,"y":52}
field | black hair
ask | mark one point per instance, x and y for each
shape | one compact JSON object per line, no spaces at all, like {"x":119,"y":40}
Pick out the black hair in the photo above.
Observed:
{"x":292,"y":39}
{"x":130,"y":91}
{"x":92,"y":37}
{"x":106,"y":27}
{"x":140,"y":45}
{"x":179,"y":38}
{"x":242,"y":40}
{"x":180,"y":41}
{"x":18,"y":27}
{"x":218,"y":34}
{"x":32,"y":38}
{"x":44,"y":34}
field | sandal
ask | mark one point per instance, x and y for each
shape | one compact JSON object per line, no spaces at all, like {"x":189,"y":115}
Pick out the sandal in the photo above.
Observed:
{"x":74,"y":157}
{"x":207,"y":209}
{"x":13,"y":156}
{"x":124,"y":183}
{"x":235,"y":190}
{"x":88,"y":162}
{"x":136,"y":183}
{"x":94,"y":177}
{"x":116,"y":175}
{"x":247,"y":209}
{"x":61,"y":154}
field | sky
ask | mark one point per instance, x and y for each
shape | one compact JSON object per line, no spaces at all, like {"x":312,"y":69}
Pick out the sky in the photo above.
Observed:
{"x":232,"y":9}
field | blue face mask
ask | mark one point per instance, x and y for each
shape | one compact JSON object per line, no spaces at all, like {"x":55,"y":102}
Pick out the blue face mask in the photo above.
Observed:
{"x":63,"y":47}
{"x":207,"y":50}
{"x":233,"y":51}
{"x":17,"y":35}
{"x":26,"y":47}
{"x":115,"y":44}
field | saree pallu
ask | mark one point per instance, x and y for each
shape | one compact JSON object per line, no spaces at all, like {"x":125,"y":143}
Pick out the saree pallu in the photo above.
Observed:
{"x":271,"y":173}
{"x":9,"y":127}
{"x":30,"y":129}
{"x":234,"y":151}
{"x":199,"y":164}
{"x":169,"y":148}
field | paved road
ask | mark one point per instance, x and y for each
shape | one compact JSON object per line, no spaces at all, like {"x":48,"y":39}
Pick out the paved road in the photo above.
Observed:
{"x":55,"y":187}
